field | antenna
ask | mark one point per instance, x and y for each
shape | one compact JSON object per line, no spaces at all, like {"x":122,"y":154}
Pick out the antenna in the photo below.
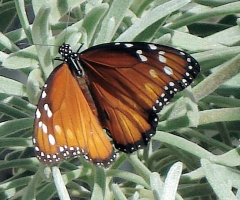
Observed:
{"x":68,"y":18}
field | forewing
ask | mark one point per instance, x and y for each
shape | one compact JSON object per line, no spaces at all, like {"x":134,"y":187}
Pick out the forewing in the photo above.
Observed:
{"x":65,"y":126}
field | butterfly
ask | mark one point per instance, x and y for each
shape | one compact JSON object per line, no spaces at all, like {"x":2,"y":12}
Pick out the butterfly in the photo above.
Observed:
{"x":117,"y":87}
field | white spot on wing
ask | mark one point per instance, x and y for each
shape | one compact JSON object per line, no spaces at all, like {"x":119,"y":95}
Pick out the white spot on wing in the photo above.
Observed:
{"x":143,"y":58}
{"x":44,"y":94}
{"x":171,"y":84}
{"x":47,"y":109}
{"x":161,"y":52}
{"x":168,"y":70}
{"x":45,"y":106}
{"x":38,"y":114}
{"x":128,"y":45}
{"x":57,"y":128}
{"x":162,"y":59}
{"x":49,"y":113}
{"x":153,"y":73}
{"x":152,"y":46}
{"x":44,"y":128}
{"x":51,"y":139}
{"x":61,"y":149}
{"x":182,"y":53}
{"x":40,"y":124}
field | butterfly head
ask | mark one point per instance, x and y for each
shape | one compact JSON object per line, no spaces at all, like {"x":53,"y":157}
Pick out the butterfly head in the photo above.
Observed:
{"x":66,"y":51}
{"x":71,"y":59}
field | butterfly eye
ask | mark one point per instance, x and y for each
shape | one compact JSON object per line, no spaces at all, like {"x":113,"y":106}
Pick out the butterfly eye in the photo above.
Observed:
{"x":119,"y":87}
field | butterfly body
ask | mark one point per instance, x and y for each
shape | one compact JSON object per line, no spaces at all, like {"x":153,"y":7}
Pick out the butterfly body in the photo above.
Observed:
{"x":116,"y":86}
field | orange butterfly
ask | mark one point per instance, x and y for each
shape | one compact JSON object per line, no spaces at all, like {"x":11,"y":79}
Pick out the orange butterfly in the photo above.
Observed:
{"x":119,"y":87}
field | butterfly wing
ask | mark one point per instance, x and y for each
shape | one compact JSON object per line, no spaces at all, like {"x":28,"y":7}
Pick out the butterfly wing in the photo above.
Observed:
{"x":131,"y":82}
{"x":65,"y":125}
